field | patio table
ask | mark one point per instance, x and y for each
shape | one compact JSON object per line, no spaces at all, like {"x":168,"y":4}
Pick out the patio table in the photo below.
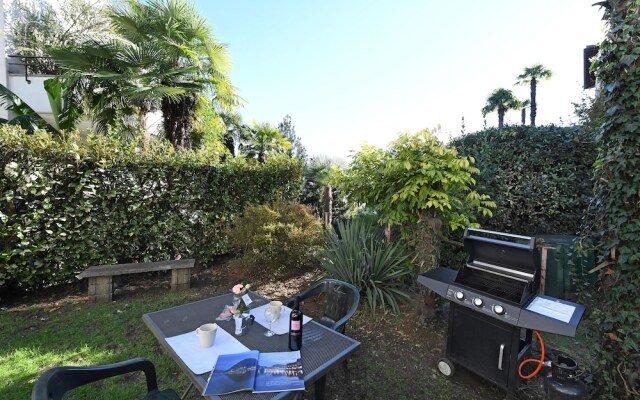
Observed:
{"x":322,"y":348}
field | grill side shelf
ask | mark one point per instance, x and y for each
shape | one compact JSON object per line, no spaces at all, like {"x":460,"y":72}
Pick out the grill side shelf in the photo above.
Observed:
{"x":438,"y":280}
{"x":532,"y":319}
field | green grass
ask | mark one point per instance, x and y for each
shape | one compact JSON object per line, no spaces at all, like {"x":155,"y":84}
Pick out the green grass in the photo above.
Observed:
{"x":38,"y":337}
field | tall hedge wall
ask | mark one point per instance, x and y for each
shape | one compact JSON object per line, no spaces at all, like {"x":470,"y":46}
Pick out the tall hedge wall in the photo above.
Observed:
{"x":64,"y":206}
{"x":539,"y":177}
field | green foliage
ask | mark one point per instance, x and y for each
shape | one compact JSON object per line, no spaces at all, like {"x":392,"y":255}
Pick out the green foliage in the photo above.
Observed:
{"x":318,"y":173}
{"x":616,"y":227}
{"x":501,"y":100}
{"x":539,"y":177}
{"x":416,"y":174}
{"x":530,"y":76}
{"x":65,"y":206}
{"x":63,"y":99}
{"x":162,"y":54}
{"x":288,"y":131}
{"x":208,"y":129}
{"x":281,"y":238}
{"x":263,"y":141}
{"x":33,"y":27}
{"x":358,"y":254}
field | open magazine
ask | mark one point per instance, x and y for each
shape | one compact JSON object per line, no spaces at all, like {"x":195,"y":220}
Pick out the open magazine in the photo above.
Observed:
{"x":257,"y":372}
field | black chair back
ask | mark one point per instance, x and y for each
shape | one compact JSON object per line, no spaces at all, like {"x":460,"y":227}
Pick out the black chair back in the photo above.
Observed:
{"x":341,"y":302}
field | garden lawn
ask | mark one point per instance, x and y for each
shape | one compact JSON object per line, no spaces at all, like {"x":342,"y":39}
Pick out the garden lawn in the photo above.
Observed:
{"x":397,"y":358}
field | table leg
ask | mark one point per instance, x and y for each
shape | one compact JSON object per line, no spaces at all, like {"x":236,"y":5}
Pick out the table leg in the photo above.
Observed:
{"x":318,"y":390}
{"x":186,"y":392}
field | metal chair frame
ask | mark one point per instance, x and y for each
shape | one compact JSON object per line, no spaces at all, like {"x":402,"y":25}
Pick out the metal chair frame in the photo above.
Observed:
{"x":337,"y":308}
{"x":55,"y":382}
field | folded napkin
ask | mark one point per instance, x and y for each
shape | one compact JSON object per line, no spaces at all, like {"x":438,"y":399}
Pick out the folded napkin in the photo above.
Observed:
{"x":279,"y":327}
{"x":202,"y":359}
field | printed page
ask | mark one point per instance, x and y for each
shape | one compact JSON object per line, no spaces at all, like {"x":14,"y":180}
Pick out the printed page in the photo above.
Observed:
{"x":278,"y":372}
{"x":551,"y":308}
{"x":232,"y":373}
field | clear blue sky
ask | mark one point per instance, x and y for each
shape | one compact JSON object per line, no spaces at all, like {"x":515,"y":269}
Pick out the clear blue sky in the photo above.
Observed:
{"x":359,"y":71}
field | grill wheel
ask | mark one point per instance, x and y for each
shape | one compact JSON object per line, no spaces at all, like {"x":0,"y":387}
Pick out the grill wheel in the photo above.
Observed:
{"x":446,"y":368}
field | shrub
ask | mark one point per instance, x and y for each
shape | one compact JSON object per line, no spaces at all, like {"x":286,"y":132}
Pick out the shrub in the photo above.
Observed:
{"x":66,"y":205}
{"x":358,"y":254}
{"x":539,"y":177}
{"x":281,"y":238}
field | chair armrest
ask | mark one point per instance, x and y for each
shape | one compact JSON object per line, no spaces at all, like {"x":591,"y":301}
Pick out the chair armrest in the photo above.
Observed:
{"x":53,"y":383}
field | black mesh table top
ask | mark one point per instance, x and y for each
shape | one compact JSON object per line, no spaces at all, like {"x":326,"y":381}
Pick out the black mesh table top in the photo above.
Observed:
{"x":322,"y":348}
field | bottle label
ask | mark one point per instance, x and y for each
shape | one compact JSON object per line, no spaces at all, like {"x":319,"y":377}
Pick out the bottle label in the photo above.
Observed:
{"x":247,"y":299}
{"x":295,"y":325}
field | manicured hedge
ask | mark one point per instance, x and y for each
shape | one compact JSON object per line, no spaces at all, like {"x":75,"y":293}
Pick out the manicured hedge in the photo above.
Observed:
{"x":65,"y":206}
{"x":539,"y":177}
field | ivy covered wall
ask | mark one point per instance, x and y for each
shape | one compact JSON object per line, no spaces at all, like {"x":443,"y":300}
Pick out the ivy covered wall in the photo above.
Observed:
{"x":616,"y":203}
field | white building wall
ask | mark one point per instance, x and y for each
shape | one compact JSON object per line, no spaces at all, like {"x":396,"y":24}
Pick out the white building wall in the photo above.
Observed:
{"x":32,"y":93}
{"x":3,"y":59}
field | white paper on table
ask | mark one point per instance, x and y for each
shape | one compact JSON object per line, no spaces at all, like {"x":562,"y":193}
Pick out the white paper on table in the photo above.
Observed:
{"x":202,"y":359}
{"x":551,"y":308}
{"x":279,"y":327}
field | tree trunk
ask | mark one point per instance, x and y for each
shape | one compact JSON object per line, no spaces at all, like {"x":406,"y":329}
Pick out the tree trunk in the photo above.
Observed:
{"x":146,"y":136}
{"x":229,"y":143}
{"x":524,"y":116}
{"x":534,"y":106}
{"x":177,"y":117}
{"x":426,"y":240}
{"x":501,"y":112}
{"x":426,"y":244}
{"x":327,"y":206}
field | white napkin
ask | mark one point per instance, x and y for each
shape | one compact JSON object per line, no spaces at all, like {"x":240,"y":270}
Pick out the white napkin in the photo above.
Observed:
{"x":279,"y":327}
{"x":202,"y":359}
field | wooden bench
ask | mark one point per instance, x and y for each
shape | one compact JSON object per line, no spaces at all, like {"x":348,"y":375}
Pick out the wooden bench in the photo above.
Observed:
{"x":101,"y":285}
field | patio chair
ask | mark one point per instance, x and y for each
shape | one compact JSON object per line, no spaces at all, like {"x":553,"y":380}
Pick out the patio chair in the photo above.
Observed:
{"x":55,"y":382}
{"x":340,"y":304}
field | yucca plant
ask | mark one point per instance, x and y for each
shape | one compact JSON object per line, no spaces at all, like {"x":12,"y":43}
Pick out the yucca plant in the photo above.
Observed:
{"x":358,"y":254}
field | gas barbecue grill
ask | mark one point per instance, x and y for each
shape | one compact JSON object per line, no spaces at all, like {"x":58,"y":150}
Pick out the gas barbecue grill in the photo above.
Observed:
{"x":495,"y":305}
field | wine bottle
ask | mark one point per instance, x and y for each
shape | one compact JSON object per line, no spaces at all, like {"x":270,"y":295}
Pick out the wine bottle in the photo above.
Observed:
{"x":295,"y":326}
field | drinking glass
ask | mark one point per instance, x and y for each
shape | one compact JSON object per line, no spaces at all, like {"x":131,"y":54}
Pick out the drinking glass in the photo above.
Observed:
{"x":271,"y":317}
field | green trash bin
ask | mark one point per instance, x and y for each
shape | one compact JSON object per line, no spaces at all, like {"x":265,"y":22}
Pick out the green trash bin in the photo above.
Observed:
{"x":565,"y":266}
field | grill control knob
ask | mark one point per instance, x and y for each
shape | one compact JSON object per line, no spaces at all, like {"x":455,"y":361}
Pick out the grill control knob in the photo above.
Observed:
{"x":478,"y":302}
{"x":460,"y":296}
{"x":498,"y":309}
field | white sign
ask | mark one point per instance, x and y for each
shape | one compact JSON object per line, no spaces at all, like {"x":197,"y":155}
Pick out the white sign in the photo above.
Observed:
{"x":552,"y":309}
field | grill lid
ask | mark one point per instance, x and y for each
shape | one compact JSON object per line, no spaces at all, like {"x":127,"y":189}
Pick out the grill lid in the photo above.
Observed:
{"x":512,"y":256}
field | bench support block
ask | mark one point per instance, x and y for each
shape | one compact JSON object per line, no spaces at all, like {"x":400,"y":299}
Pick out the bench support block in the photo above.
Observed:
{"x":100,"y":289}
{"x":180,"y":278}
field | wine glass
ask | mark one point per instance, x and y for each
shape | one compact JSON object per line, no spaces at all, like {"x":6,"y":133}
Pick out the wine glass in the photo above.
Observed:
{"x":271,"y":316}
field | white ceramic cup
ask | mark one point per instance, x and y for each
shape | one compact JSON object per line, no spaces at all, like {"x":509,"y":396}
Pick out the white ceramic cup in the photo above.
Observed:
{"x":207,"y":334}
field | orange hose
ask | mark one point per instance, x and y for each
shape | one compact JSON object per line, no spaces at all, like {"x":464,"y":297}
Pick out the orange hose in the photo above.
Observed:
{"x":528,"y":360}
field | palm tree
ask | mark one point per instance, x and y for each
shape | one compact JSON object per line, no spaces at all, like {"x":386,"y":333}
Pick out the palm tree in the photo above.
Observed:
{"x":501,"y":100}
{"x":531,"y":76}
{"x":264,"y":140}
{"x":236,"y":131}
{"x":107,"y":73}
{"x":162,"y":55}
{"x":525,"y":104}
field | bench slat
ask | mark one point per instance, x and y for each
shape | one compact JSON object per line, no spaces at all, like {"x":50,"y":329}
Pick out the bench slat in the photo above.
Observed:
{"x":121,"y":269}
